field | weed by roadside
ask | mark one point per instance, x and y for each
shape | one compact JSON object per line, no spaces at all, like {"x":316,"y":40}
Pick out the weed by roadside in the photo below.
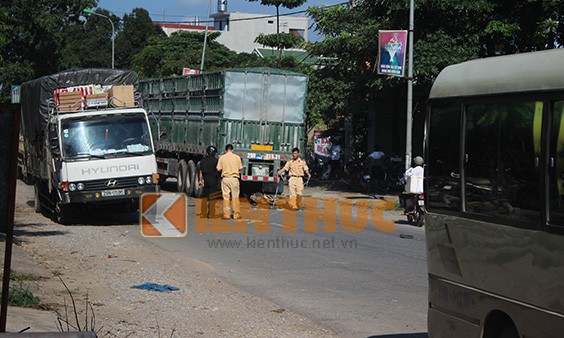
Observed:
{"x":20,"y":277}
{"x":20,"y":294}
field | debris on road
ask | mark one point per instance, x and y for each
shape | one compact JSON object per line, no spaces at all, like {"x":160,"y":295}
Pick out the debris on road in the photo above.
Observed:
{"x":156,"y":287}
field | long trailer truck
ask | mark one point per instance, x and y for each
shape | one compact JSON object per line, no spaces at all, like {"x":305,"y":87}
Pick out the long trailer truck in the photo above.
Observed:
{"x":85,"y":141}
{"x":260,"y":111}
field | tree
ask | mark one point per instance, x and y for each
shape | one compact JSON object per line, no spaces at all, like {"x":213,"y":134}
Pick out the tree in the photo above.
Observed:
{"x":280,"y":41}
{"x":466,"y":30}
{"x":88,"y":44}
{"x":166,"y":56}
{"x":136,"y":30}
{"x":269,"y":41}
{"x":33,"y":32}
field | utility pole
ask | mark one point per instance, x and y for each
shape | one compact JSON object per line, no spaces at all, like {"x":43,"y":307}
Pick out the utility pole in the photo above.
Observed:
{"x":205,"y":38}
{"x":409,"y":125}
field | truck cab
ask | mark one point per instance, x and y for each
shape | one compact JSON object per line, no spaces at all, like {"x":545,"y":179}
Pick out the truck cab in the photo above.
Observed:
{"x":103,"y":155}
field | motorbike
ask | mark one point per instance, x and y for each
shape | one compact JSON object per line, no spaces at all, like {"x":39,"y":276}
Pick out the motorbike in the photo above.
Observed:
{"x":414,"y":208}
{"x":370,"y":178}
{"x":319,"y":166}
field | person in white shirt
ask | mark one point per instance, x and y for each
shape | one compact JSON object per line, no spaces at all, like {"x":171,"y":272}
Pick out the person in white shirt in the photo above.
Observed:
{"x":415,"y":171}
{"x":413,"y":183}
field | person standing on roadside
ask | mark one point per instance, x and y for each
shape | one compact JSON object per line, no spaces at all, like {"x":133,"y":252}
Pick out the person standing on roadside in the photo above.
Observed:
{"x":336,"y":161}
{"x":230,"y":166}
{"x":209,"y":180}
{"x":296,"y":167}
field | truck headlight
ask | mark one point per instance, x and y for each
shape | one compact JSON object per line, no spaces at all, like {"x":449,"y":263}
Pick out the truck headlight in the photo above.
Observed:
{"x":148,"y":179}
{"x":80,"y":186}
{"x":141,"y":180}
{"x":72,"y":187}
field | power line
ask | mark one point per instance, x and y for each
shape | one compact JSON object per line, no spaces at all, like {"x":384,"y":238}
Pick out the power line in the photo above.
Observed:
{"x":249,"y":18}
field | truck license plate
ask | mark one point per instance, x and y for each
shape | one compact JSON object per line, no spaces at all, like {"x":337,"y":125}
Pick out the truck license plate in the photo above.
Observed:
{"x":115,"y":192}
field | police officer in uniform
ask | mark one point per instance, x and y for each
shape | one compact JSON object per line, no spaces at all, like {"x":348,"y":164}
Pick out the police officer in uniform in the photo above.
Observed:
{"x":296,"y":167}
{"x":230,"y":166}
{"x":209,"y":179}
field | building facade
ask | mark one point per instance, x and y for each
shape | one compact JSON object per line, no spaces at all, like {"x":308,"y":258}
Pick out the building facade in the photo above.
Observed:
{"x":239,"y":30}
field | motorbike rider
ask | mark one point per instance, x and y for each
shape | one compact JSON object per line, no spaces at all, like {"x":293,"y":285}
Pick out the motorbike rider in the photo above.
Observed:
{"x":413,"y":182}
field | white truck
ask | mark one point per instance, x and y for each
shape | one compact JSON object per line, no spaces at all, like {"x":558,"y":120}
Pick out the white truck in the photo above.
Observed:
{"x":86,"y":143}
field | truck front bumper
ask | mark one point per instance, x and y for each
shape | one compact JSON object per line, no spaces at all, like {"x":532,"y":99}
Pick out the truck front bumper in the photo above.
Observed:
{"x":108,"y":195}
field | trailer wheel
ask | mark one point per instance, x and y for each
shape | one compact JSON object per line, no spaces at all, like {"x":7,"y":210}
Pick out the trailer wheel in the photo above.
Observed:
{"x":191,"y":191}
{"x":198,"y":190}
{"x":181,"y":177}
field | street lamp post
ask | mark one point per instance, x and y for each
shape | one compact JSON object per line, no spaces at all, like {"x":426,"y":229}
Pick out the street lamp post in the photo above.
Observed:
{"x":409,"y":125}
{"x":89,"y":11}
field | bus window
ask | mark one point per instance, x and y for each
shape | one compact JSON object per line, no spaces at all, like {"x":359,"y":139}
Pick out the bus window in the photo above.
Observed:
{"x":442,"y":169}
{"x":557,"y":165}
{"x":501,"y":154}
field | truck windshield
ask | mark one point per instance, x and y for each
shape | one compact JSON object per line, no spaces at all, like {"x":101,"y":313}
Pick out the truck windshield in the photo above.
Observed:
{"x":106,"y":135}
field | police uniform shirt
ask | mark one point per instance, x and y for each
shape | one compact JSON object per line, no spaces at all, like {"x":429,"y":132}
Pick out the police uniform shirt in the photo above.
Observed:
{"x":296,"y":167}
{"x":230,"y":165}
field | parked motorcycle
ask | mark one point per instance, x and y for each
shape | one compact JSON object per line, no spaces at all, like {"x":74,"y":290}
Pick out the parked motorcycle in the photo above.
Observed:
{"x":371,"y":177}
{"x":414,"y":208}
{"x":319,"y":166}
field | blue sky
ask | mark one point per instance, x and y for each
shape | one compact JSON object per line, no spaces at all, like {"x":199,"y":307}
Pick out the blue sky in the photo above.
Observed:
{"x":179,"y":10}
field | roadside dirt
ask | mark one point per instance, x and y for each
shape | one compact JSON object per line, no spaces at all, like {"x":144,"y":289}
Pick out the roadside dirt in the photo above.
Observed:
{"x":102,"y":262}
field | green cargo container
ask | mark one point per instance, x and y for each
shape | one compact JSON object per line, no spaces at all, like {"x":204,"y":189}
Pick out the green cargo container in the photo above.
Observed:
{"x":260,"y":111}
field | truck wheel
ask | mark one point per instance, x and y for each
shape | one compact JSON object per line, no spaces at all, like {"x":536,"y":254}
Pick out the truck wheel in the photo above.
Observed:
{"x":63,"y":214}
{"x":181,"y":176}
{"x":198,"y":190}
{"x":37,"y":198}
{"x":191,"y":191}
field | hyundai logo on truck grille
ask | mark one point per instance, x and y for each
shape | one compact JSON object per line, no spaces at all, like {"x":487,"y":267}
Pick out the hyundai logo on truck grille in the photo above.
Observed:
{"x":111,"y":169}
{"x":111,"y":183}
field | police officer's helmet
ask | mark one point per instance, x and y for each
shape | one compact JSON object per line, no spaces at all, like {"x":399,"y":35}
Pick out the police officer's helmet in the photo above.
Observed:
{"x":211,"y":150}
{"x":418,"y":160}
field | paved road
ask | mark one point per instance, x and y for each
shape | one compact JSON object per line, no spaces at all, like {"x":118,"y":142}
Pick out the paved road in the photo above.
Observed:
{"x":369,"y":283}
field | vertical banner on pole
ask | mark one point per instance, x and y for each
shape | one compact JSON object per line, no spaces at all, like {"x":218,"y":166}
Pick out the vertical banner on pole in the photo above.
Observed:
{"x":391,"y":52}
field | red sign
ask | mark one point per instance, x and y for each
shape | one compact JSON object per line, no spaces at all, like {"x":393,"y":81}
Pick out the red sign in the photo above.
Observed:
{"x":190,"y":71}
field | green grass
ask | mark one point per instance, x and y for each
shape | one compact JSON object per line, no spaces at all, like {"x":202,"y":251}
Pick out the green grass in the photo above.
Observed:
{"x":21,"y":297}
{"x":19,"y":294}
{"x":20,"y":277}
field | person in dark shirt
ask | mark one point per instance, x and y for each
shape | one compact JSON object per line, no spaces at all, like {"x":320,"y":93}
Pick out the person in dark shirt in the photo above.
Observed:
{"x":210,"y":181}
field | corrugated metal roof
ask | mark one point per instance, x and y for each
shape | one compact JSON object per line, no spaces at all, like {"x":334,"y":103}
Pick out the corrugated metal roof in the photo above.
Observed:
{"x":517,"y":73}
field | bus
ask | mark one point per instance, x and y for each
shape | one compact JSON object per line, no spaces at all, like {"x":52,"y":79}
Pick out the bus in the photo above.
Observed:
{"x":494,"y":147}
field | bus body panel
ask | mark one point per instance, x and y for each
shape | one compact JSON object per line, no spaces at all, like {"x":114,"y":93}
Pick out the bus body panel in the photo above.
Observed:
{"x":501,"y":75}
{"x":481,"y":258}
{"x":494,"y":228}
{"x":460,"y":311}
